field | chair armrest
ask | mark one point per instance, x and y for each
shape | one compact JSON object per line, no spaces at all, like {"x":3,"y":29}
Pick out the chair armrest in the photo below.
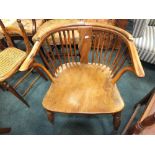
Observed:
{"x":37,"y":65}
{"x":135,"y":60}
{"x":137,"y":66}
{"x":30,"y":58}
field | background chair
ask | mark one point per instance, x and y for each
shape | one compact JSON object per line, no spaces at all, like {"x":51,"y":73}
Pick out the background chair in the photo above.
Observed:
{"x":85,"y":84}
{"x":10,"y":60}
{"x":30,"y":27}
{"x":144,"y":38}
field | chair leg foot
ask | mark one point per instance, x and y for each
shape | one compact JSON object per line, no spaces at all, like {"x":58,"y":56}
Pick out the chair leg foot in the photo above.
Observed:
{"x":50,"y":116}
{"x":116,"y":121}
{"x":14,"y":92}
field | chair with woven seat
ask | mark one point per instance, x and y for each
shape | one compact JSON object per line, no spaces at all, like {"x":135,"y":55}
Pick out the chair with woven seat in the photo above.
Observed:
{"x":10,"y":60}
{"x":85,"y":84}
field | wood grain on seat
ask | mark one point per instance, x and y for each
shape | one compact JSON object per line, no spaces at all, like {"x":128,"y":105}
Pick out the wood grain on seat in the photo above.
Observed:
{"x":83,"y":88}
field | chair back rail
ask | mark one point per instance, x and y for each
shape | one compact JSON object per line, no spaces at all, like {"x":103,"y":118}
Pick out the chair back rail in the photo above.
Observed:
{"x":22,"y":33}
{"x":87,"y":43}
{"x":8,"y":38}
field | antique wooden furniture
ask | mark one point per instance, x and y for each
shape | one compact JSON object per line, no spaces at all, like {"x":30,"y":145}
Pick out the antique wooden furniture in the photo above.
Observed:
{"x":146,"y":124}
{"x":85,"y":84}
{"x":10,"y":60}
{"x":30,"y":26}
{"x":12,"y":28}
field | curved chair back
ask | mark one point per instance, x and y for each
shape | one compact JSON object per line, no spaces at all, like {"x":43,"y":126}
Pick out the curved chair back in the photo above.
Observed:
{"x":72,"y":43}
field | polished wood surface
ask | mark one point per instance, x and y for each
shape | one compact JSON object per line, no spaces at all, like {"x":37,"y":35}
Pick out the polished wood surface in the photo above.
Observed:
{"x":126,"y":50}
{"x":84,"y":73}
{"x":83,"y":88}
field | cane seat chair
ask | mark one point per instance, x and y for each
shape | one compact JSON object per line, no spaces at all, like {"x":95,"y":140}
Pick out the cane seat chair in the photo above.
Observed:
{"x":85,"y":84}
{"x":10,"y":60}
{"x":30,"y":26}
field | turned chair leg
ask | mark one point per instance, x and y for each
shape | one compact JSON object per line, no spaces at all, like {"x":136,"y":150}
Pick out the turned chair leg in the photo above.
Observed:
{"x":14,"y":92}
{"x":50,"y":116}
{"x":116,"y":121}
{"x":4,"y":130}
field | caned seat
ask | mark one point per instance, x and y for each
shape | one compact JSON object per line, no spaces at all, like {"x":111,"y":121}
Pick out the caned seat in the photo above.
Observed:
{"x":10,"y":60}
{"x":83,"y":88}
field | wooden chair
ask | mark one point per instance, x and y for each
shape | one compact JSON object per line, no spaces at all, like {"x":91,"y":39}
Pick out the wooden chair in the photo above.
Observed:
{"x":146,"y":122}
{"x":30,"y":27}
{"x":85,"y":84}
{"x":10,"y":60}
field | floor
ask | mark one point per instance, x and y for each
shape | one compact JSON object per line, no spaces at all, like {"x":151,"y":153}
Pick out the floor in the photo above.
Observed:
{"x":33,"y":120}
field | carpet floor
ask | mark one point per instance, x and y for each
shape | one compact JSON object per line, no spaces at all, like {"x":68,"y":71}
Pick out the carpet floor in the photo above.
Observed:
{"x":33,"y":120}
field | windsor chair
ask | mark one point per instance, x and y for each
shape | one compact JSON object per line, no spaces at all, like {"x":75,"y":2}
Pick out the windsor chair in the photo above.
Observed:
{"x":85,"y":84}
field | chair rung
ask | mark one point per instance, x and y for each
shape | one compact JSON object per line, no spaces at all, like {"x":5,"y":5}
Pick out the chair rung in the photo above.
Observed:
{"x":22,"y":78}
{"x":30,"y":86}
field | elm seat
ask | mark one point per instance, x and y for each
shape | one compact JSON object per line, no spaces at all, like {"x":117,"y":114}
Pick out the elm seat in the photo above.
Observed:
{"x":10,"y":60}
{"x":83,"y":88}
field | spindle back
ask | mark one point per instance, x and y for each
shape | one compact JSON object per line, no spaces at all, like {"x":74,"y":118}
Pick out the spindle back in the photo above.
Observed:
{"x":70,"y":44}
